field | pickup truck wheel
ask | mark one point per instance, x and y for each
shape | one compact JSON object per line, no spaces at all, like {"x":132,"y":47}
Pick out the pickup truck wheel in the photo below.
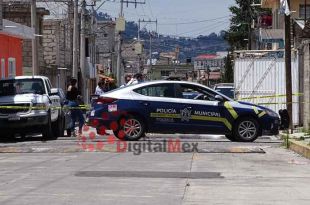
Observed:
{"x":47,"y":132}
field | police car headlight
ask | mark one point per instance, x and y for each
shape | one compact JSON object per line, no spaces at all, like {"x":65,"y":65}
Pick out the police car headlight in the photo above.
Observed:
{"x":271,"y":113}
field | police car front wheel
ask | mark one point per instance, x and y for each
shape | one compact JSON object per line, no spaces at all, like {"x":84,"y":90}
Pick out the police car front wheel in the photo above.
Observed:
{"x":246,"y":129}
{"x":132,"y":128}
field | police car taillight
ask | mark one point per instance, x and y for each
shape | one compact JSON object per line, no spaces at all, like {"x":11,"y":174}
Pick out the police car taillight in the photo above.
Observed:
{"x":105,"y":100}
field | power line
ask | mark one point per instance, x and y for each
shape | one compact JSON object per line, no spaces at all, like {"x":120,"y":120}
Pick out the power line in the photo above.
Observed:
{"x":194,"y":22}
{"x":202,"y":28}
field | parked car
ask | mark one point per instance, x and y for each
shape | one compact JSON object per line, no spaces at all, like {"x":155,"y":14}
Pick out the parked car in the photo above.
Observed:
{"x":164,"y":107}
{"x":227,"y":89}
{"x":30,"y":105}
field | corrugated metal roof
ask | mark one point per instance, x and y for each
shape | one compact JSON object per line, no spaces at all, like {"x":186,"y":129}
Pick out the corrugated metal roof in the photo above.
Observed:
{"x":17,"y":30}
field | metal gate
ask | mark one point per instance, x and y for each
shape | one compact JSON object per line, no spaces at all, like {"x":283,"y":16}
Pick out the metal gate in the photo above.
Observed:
{"x":261,"y":80}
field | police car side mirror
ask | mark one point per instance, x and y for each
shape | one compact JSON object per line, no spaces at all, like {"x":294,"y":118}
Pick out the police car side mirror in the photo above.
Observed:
{"x":219,"y":98}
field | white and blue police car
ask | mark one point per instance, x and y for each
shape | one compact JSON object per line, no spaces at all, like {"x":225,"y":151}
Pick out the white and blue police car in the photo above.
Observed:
{"x":179,"y":107}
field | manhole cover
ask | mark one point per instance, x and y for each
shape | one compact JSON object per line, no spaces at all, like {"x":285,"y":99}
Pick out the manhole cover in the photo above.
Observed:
{"x":147,"y":174}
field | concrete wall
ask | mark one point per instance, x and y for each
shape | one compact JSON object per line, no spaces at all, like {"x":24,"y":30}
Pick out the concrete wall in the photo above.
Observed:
{"x":278,"y":20}
{"x":306,"y":50}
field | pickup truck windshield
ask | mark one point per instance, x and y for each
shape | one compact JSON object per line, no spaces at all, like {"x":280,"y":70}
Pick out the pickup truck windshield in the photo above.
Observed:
{"x":21,"y":86}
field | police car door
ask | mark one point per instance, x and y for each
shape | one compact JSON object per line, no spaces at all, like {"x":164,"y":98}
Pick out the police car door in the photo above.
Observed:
{"x":162,"y":107}
{"x":200,"y":112}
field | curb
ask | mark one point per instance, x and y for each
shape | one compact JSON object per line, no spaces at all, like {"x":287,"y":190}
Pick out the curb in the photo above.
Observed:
{"x":297,"y":146}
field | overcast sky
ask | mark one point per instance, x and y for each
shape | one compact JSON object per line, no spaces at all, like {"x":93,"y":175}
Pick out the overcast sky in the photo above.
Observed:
{"x":188,"y":18}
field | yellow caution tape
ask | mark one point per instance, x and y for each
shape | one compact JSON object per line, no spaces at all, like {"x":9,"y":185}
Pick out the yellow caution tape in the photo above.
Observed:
{"x":284,"y":103}
{"x":84,"y":107}
{"x":269,"y":96}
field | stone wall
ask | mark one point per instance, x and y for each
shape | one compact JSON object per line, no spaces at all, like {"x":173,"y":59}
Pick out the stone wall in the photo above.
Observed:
{"x":105,"y":43}
{"x":57,"y":48}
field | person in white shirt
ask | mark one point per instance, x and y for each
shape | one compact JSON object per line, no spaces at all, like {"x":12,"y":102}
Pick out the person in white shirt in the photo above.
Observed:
{"x":100,"y":88}
{"x":127,"y":79}
{"x":137,"y":78}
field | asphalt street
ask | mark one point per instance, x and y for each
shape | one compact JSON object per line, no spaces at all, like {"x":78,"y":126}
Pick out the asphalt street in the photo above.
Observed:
{"x":90,"y":170}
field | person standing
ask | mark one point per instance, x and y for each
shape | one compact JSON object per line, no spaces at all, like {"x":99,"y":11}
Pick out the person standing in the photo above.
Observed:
{"x":76,"y":113}
{"x":127,"y":79}
{"x":100,"y":88}
{"x":137,"y":78}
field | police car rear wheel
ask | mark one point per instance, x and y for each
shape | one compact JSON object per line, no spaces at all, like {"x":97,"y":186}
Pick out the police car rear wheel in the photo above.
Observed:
{"x":246,"y":130}
{"x":132,"y":129}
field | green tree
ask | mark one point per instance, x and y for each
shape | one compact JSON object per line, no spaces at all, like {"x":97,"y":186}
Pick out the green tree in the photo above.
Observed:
{"x":229,"y":70}
{"x":243,"y":15}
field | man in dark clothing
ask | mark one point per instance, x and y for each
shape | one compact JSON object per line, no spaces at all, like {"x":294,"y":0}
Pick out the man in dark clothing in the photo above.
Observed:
{"x":76,"y":113}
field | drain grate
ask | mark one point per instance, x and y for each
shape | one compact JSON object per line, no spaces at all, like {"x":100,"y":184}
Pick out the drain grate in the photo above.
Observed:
{"x":148,"y":174}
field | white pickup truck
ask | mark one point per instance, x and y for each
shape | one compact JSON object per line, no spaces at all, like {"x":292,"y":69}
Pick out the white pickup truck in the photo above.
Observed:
{"x":30,"y":105}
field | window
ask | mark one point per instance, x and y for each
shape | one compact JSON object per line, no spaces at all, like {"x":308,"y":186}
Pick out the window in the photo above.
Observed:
{"x":2,"y":68}
{"x":302,"y":11}
{"x":161,"y":90}
{"x":165,"y":73}
{"x":48,"y":86}
{"x":186,"y":91}
{"x":12,"y":67}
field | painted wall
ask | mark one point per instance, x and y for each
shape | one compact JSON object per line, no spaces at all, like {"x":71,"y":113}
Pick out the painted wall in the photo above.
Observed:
{"x":294,"y":6}
{"x":10,"y":47}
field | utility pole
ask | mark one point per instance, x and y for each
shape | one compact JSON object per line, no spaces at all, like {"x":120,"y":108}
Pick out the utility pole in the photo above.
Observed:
{"x":151,"y":63}
{"x":148,"y":21}
{"x":139,"y":27}
{"x":288,"y":67}
{"x":83,"y":54}
{"x":119,"y":38}
{"x":93,"y":32}
{"x":305,"y":12}
{"x":34,"y":40}
{"x":119,"y":48}
{"x":75,"y":40}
